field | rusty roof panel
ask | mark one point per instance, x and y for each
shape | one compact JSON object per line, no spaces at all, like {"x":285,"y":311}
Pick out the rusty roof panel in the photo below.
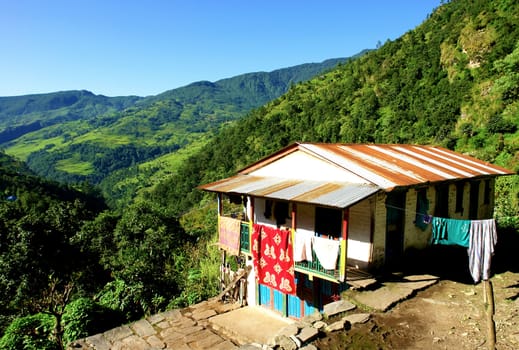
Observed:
{"x":338,"y":195}
{"x":384,"y":166}
{"x":403,"y":165}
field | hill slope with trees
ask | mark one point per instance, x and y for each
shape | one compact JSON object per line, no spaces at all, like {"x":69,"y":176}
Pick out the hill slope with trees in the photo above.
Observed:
{"x":452,"y":81}
{"x":105,"y":145}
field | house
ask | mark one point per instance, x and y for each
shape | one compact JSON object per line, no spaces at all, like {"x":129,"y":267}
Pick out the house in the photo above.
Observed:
{"x":336,"y":208}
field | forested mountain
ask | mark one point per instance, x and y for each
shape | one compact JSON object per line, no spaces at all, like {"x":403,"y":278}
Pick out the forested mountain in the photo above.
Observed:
{"x":452,"y":81}
{"x":112,"y":136}
{"x":23,"y":114}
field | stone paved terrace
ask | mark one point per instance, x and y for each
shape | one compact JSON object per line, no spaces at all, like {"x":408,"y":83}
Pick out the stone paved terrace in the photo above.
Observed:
{"x":212,"y":325}
{"x":181,"y":329}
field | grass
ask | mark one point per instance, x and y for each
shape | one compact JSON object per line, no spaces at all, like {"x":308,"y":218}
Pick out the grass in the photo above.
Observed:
{"x":74,"y":166}
{"x":22,"y":150}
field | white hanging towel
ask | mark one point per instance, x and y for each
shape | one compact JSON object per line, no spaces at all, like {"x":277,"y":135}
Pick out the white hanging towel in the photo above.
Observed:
{"x":303,"y":246}
{"x":327,"y":251}
{"x":483,"y":238}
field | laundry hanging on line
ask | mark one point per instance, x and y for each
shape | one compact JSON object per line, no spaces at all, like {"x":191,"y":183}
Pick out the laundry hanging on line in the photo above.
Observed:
{"x":327,"y":251}
{"x":272,"y":254}
{"x":483,"y":238}
{"x":303,"y":246}
{"x":229,"y":234}
{"x":450,"y":232}
{"x":478,"y":236}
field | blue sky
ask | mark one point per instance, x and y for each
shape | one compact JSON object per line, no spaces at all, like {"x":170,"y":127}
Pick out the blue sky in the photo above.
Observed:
{"x":129,"y":47}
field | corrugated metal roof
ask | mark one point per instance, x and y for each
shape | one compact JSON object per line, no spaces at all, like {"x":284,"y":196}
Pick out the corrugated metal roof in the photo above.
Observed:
{"x":339,"y":195}
{"x":384,"y":166}
{"x":389,"y":166}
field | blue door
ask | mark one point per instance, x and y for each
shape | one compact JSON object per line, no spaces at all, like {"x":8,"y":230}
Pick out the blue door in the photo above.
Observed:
{"x":294,"y":306}
{"x":280,"y":302}
{"x":264,"y":296}
{"x":309,"y":308}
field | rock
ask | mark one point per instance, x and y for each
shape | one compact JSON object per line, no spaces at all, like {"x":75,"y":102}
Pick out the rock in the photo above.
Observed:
{"x":316,"y":316}
{"x":319,"y":325}
{"x":154,"y":319}
{"x":296,"y":341}
{"x":309,"y":347}
{"x":289,"y":330}
{"x":118,"y":333}
{"x":143,"y":328}
{"x":252,"y":346}
{"x":285,"y":343}
{"x":308,"y":334}
{"x":155,"y":342}
{"x":202,"y":315}
{"x":357,"y":318}
{"x":337,"y":307}
{"x":336,"y":326}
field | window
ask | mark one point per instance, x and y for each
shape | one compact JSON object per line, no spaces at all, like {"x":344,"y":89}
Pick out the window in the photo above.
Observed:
{"x":487,"y":192}
{"x":442,"y":201}
{"x":474,"y":200}
{"x":328,"y":222}
{"x":460,"y":187}
{"x":277,"y":211}
{"x":281,"y":213}
{"x":422,"y":207}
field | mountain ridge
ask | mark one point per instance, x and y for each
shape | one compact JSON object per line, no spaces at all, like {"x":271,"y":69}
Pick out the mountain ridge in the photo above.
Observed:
{"x":72,"y":146}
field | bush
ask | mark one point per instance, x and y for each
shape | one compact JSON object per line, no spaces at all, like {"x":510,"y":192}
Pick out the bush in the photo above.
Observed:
{"x":84,"y":317}
{"x":32,"y":332}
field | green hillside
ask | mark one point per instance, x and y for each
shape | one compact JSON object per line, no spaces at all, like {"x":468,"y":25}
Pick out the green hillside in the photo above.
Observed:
{"x":452,"y":81}
{"x":106,"y":148}
{"x":23,"y":114}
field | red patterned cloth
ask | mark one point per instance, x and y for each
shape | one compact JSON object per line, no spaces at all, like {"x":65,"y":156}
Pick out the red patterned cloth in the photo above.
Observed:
{"x":273,"y":258}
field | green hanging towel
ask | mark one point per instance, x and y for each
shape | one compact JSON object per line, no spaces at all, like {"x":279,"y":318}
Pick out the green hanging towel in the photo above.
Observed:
{"x":450,"y":232}
{"x":422,"y":206}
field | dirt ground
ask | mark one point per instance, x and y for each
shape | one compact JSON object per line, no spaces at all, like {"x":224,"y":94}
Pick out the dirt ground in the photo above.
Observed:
{"x":448,"y":315}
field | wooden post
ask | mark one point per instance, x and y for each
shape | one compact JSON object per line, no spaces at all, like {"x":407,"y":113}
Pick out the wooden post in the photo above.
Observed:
{"x":220,"y":204}
{"x":343,"y":261}
{"x":222,"y":271}
{"x":251,"y":221}
{"x":489,"y":306}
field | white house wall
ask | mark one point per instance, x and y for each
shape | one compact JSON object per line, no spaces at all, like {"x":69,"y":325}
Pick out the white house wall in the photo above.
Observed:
{"x":414,"y":237}
{"x":359,"y":234}
{"x":251,"y":284}
{"x":299,"y":165}
{"x":379,"y":230}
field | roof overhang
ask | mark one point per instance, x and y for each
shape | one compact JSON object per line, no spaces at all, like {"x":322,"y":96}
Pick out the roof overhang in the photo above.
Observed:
{"x":338,"y":195}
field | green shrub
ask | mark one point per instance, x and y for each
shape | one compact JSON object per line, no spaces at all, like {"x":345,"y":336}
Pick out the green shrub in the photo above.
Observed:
{"x":32,"y":332}
{"x":84,"y":317}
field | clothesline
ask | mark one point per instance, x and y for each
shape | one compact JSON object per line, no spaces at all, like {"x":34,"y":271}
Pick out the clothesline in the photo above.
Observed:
{"x":405,"y":210}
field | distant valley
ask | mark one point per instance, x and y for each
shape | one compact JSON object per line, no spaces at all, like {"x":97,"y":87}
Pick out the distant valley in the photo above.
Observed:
{"x":127,"y":143}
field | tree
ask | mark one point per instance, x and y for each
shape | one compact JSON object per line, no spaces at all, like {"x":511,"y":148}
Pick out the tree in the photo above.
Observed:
{"x":53,"y":302}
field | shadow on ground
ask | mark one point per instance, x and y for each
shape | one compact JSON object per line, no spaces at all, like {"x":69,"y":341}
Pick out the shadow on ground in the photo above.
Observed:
{"x":451,"y":262}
